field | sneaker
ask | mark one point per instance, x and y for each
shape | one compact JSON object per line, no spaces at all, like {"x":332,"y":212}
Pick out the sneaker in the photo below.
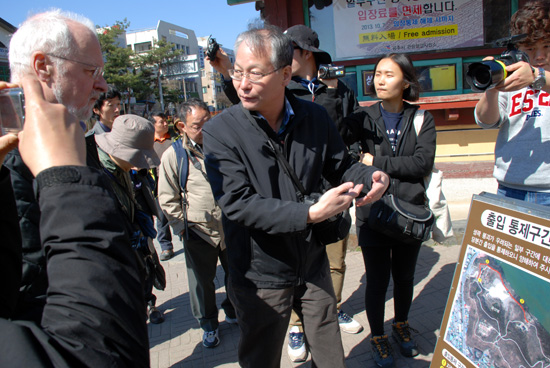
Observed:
{"x":155,"y":316}
{"x":166,"y":254}
{"x":348,"y":324}
{"x":381,"y":351}
{"x":297,"y":350}
{"x":231,"y":321}
{"x":401,"y":332}
{"x":210,"y":339}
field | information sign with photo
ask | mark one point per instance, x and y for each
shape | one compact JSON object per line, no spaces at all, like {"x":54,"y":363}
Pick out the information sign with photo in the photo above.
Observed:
{"x":497,"y":310}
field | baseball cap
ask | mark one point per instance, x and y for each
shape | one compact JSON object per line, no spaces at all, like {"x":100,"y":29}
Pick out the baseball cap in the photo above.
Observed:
{"x":307,"y":39}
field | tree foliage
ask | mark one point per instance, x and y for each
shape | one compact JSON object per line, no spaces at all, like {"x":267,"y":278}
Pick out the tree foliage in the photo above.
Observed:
{"x":131,"y":72}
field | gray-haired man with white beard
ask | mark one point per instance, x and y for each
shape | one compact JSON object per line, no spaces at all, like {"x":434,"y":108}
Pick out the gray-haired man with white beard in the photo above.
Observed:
{"x":62,"y":51}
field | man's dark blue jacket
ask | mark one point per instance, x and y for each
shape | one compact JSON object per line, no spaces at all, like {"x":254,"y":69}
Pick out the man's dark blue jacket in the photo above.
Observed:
{"x":268,"y":239}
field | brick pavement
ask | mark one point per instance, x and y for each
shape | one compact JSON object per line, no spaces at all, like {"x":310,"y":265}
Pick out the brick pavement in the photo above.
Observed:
{"x":177,"y":342}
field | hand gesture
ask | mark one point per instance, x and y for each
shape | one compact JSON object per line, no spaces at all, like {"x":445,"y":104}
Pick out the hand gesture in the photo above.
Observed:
{"x":51,"y":135}
{"x":380,"y":182}
{"x":333,"y":202}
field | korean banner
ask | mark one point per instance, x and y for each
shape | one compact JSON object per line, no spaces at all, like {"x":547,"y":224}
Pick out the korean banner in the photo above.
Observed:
{"x":366,"y":28}
{"x":497,"y":310}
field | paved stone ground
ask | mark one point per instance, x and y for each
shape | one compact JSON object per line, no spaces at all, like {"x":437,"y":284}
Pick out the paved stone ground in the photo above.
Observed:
{"x":177,"y":342}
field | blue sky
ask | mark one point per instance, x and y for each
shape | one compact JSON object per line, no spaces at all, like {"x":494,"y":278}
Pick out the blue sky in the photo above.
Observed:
{"x":205,"y":17}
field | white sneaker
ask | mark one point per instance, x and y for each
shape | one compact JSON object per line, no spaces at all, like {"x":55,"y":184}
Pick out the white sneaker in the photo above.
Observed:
{"x":297,"y":350}
{"x":348,"y":324}
{"x":210,"y":339}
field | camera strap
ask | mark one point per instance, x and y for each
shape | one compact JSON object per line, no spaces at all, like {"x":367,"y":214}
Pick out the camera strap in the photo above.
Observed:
{"x":289,"y":171}
{"x":286,"y":166}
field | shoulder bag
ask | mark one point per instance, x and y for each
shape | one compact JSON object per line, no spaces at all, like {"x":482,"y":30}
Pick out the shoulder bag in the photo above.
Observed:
{"x":443,"y":226}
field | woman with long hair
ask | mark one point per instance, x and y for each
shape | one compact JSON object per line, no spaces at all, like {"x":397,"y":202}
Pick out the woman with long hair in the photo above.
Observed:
{"x":389,"y":141}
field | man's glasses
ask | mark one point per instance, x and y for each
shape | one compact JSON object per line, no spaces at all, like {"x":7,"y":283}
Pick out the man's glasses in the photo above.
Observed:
{"x":98,"y":70}
{"x":253,"y":77}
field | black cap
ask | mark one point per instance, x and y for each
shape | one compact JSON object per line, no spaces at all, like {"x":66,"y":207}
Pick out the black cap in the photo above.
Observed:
{"x":307,"y":39}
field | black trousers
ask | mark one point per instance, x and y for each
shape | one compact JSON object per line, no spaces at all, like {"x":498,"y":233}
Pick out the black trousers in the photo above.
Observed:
{"x":399,"y":260}
{"x":264,"y":314}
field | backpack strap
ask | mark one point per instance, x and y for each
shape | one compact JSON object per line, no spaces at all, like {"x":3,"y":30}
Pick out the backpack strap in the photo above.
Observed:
{"x":183,"y":163}
{"x":418,"y":120}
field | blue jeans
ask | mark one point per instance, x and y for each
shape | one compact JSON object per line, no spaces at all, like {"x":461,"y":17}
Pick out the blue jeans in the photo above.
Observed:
{"x":524,"y":195}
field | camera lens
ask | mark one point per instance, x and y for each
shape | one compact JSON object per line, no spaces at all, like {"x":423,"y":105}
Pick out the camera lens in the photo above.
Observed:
{"x":484,"y":75}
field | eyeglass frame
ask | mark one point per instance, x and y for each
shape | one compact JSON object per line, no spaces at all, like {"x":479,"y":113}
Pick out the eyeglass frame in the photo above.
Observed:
{"x":98,"y":70}
{"x":247,"y":74}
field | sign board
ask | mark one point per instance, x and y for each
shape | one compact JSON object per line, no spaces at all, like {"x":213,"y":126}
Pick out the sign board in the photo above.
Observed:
{"x":366,"y":28}
{"x":497,"y":310}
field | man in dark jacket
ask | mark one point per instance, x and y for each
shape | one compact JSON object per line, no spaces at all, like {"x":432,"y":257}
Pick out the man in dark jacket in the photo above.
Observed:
{"x":94,"y":315}
{"x":39,"y":43}
{"x":340,"y":102}
{"x":72,"y":78}
{"x":276,"y":263}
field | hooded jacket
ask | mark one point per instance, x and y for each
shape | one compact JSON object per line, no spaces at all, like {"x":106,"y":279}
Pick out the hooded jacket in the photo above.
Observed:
{"x":269,"y":243}
{"x":414,"y":157}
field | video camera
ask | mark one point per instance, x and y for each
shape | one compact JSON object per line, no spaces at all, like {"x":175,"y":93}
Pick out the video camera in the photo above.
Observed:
{"x":486,"y":74}
{"x":329,"y":71}
{"x":212,"y":48}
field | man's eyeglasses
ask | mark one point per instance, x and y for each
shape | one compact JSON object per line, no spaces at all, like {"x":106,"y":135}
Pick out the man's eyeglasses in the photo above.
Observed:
{"x":98,"y":70}
{"x":251,"y":76}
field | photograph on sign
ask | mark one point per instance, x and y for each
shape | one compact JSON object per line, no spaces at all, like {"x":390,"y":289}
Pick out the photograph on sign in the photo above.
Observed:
{"x":499,"y":315}
{"x":497,"y":308}
{"x":377,"y":27}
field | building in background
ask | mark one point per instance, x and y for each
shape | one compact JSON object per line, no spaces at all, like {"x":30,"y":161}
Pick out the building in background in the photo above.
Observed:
{"x":212,"y":81}
{"x":184,"y":74}
{"x":6,"y":31}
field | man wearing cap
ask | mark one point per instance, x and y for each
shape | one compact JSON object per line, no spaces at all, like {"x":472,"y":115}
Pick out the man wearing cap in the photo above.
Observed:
{"x":127,"y":146}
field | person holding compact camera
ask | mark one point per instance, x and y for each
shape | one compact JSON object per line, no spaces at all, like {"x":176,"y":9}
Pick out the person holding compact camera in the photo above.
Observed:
{"x":314,"y":79}
{"x":520,"y":107}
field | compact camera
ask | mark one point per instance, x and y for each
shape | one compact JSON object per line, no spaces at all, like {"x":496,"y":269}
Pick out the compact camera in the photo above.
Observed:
{"x":212,"y":48}
{"x":329,"y":71}
{"x":311,"y":199}
{"x":12,"y":110}
{"x":487,"y":74}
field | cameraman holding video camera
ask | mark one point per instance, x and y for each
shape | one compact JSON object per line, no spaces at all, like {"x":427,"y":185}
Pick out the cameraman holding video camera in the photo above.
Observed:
{"x":520,"y":107}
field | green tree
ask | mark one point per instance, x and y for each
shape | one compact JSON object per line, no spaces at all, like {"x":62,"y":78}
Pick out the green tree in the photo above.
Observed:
{"x":159,"y":58}
{"x":120,"y":68}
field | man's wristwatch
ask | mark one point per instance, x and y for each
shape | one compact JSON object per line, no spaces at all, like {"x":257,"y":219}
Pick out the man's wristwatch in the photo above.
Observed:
{"x":540,"y":80}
